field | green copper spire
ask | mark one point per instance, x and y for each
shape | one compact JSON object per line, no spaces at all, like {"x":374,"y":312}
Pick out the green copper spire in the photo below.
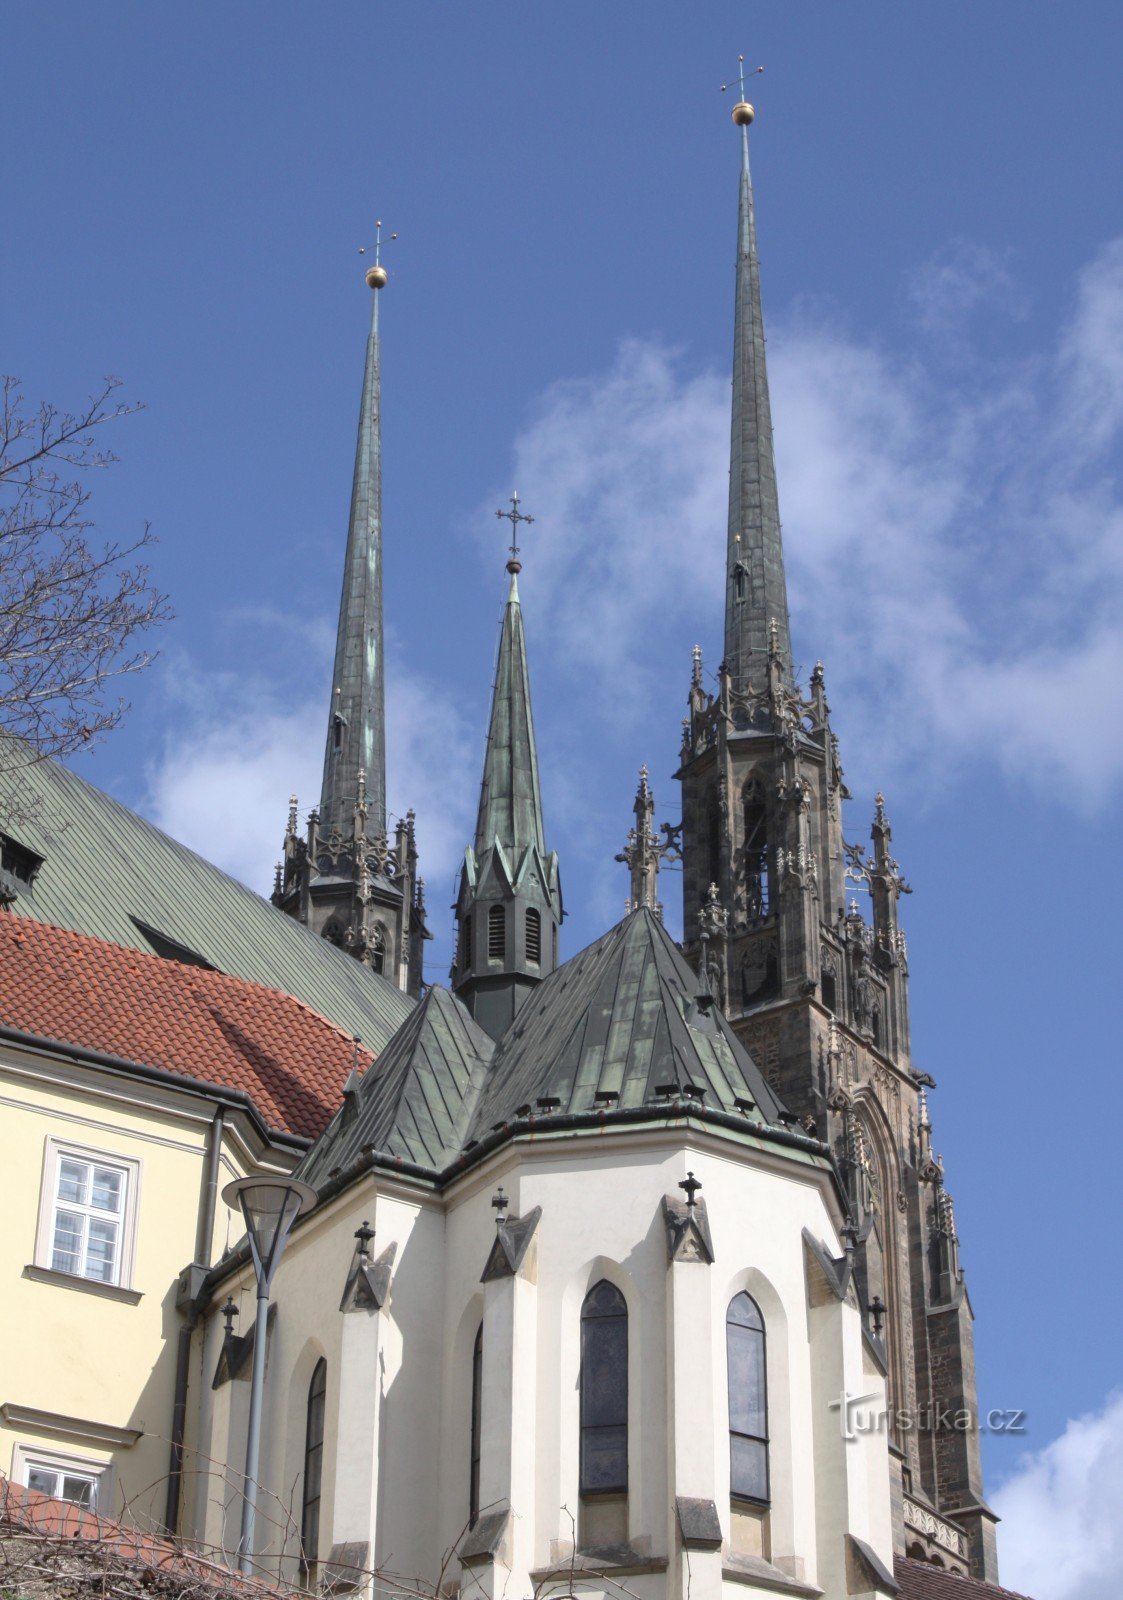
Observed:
{"x":357,"y":721}
{"x":755,"y":592}
{"x":510,"y":811}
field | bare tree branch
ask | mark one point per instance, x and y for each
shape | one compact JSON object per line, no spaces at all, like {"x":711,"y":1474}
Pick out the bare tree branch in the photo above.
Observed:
{"x":73,"y":614}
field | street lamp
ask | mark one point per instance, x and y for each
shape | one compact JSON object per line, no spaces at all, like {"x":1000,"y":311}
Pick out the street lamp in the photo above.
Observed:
{"x":270,"y":1206}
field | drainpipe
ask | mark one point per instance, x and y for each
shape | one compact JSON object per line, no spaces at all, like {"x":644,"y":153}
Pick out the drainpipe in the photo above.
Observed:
{"x":204,"y":1233}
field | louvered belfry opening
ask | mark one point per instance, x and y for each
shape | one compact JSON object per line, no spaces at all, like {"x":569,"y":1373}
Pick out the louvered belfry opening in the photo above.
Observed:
{"x":497,"y":933}
{"x":533,"y":936}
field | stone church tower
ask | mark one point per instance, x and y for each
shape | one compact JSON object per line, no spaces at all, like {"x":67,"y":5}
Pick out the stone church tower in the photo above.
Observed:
{"x":816,"y":983}
{"x":343,"y":875}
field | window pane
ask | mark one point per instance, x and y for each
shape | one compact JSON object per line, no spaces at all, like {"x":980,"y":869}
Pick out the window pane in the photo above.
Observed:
{"x":78,"y":1490}
{"x":66,"y":1248}
{"x":744,"y":1311}
{"x":101,"y":1250}
{"x":604,"y":1371}
{"x":72,"y":1176}
{"x":748,"y":1468}
{"x":747,"y":1407}
{"x":604,"y":1459}
{"x":107,"y":1186}
{"x":44,"y":1482}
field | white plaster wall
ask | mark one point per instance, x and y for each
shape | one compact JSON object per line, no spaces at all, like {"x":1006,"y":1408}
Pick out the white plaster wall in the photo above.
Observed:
{"x":601,"y":1217}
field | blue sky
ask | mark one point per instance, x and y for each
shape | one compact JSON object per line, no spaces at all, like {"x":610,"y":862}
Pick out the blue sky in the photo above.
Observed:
{"x":938,"y":204}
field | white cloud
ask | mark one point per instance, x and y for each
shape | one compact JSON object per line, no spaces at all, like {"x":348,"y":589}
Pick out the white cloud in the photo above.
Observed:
{"x":1061,"y":1536}
{"x":954,"y":539}
{"x":240,"y":746}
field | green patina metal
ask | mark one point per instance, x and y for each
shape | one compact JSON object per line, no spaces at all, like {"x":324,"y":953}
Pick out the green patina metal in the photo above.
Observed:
{"x":356,"y":738}
{"x":756,"y":590}
{"x":510,"y":812}
{"x":618,"y":1036}
{"x":107,"y":872}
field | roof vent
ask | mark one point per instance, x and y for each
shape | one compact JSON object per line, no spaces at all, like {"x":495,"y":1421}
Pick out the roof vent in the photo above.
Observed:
{"x":19,"y":866}
{"x":171,"y":949}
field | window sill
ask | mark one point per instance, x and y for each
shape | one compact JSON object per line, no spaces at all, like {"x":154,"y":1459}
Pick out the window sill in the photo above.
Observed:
{"x":761,"y":1573}
{"x":69,"y":1280}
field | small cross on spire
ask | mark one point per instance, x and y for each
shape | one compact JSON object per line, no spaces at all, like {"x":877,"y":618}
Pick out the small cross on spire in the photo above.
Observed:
{"x":514,"y":517}
{"x":690,"y":1186}
{"x":743,"y":112}
{"x":376,"y":275}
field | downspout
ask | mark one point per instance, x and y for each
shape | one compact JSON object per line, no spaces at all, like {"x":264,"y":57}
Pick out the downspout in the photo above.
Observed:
{"x":204,"y":1233}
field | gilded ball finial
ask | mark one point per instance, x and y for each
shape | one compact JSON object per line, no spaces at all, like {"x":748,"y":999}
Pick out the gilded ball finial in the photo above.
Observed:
{"x":376,"y":277}
{"x":743,"y":113}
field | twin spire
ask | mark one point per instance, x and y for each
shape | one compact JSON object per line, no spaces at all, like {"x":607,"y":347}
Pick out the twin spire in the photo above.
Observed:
{"x":510,"y":807}
{"x":356,"y":739}
{"x":756,"y":594}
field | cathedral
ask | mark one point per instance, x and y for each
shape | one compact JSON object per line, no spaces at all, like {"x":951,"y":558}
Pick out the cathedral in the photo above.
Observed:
{"x":632,"y":1272}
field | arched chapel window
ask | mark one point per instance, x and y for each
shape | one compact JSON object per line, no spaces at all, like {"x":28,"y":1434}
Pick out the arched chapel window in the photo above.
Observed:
{"x":604,"y":1391}
{"x":533,"y":936}
{"x":748,"y":1401}
{"x":496,"y":933}
{"x":477,"y":1415}
{"x":313,"y":1473}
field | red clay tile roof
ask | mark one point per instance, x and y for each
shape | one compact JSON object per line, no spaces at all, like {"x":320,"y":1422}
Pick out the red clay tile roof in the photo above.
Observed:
{"x":84,"y":992}
{"x":26,"y":1511}
{"x":920,"y":1580}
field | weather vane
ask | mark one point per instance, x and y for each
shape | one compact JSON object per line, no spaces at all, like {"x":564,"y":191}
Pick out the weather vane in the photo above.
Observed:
{"x":514,"y":517}
{"x":743,"y":112}
{"x":376,"y":275}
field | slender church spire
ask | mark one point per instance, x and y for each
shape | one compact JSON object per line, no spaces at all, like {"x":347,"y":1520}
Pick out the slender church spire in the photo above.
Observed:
{"x":510,"y":811}
{"x":356,"y":738}
{"x":509,"y":905}
{"x":756,"y":591}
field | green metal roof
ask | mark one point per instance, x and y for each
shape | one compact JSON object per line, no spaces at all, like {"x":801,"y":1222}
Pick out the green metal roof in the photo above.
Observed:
{"x":416,"y":1101}
{"x":619,"y":1018}
{"x":109,"y":873}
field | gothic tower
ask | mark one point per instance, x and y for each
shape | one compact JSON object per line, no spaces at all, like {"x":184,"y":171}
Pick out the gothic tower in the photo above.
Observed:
{"x":509,"y":906}
{"x":342,"y":876}
{"x":816,"y":986}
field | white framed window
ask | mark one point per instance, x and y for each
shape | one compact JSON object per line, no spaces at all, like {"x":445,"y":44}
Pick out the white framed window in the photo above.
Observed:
{"x":87,"y":1214}
{"x":82,"y":1482}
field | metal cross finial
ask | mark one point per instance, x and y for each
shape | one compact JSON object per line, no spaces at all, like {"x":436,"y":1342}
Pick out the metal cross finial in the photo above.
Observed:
{"x":229,"y":1312}
{"x":364,"y":1235}
{"x":500,"y":1201}
{"x":377,"y":243}
{"x":877,"y":1312}
{"x":690,"y":1185}
{"x":514,"y":517}
{"x":741,"y":76}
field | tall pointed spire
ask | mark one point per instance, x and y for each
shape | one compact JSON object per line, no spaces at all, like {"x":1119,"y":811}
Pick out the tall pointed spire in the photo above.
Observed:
{"x":756,"y":590}
{"x":356,"y":738}
{"x":510,"y":811}
{"x":509,"y":905}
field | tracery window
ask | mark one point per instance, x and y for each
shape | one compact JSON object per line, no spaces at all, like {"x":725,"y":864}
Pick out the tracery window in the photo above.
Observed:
{"x":756,"y":851}
{"x":748,"y":1400}
{"x":313,"y":1474}
{"x":604,"y":1391}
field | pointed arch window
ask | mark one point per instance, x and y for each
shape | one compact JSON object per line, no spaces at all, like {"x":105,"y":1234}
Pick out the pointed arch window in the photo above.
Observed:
{"x":533,"y":936}
{"x":756,"y":851}
{"x":313,"y":1474}
{"x":748,"y":1400}
{"x":378,"y":950}
{"x":497,"y":933}
{"x":604,"y":1391}
{"x":477,"y":1417}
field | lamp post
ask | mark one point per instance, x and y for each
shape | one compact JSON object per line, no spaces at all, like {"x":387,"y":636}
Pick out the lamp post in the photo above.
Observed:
{"x":270,"y":1205}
